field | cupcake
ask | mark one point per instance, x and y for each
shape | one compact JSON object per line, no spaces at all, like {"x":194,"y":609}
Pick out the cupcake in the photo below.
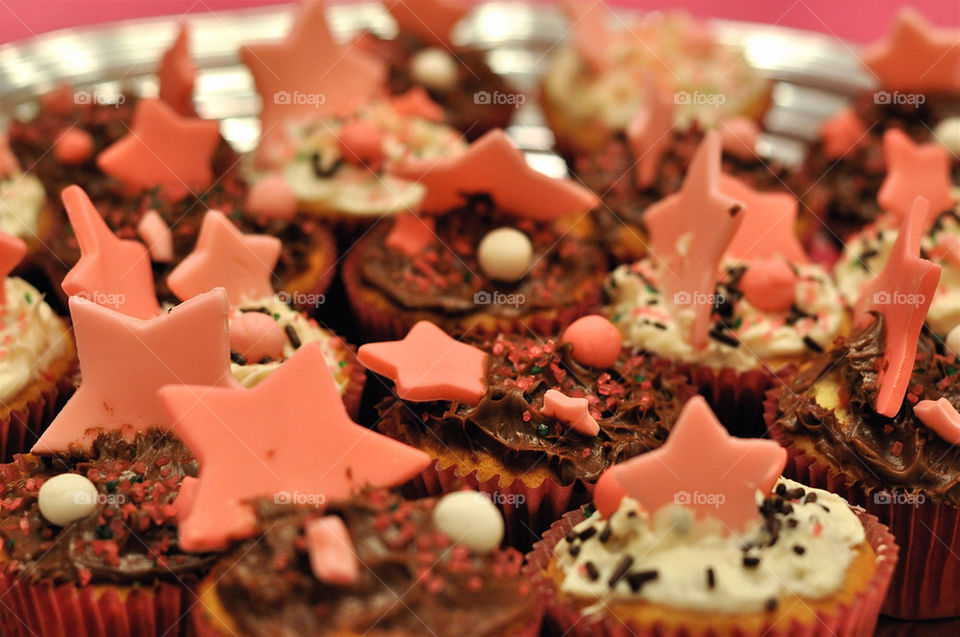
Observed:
{"x":874,"y":419}
{"x":532,"y":422}
{"x":491,"y":251}
{"x":727,"y":292}
{"x":88,"y":523}
{"x":24,"y":211}
{"x":38,"y":358}
{"x":374,"y":564}
{"x":592,"y":86}
{"x":718,"y":544}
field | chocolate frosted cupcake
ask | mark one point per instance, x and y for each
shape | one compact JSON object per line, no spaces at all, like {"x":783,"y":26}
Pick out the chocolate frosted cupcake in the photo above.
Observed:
{"x":486,"y":255}
{"x":422,"y":567}
{"x":533,"y":422}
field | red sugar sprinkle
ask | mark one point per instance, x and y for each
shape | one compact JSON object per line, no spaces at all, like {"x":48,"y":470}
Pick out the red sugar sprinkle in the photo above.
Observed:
{"x":474,"y":584}
{"x":897,"y":449}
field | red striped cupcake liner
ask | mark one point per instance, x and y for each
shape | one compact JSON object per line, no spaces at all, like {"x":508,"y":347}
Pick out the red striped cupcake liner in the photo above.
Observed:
{"x":23,"y":426}
{"x":858,"y":618}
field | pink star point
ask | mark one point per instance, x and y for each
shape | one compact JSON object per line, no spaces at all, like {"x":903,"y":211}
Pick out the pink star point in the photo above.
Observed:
{"x":573,"y":412}
{"x":163,"y":150}
{"x":902,"y":293}
{"x":177,"y":74}
{"x":288,"y":434}
{"x":12,"y":251}
{"x":112,"y":272}
{"x":590,"y":31}
{"x":915,"y":56}
{"x":430,"y":20}
{"x":650,"y":132}
{"x":429,"y":365}
{"x":225,"y":257}
{"x":689,"y":233}
{"x":124,"y":361}
{"x":841,"y":132}
{"x":699,"y":457}
{"x":411,"y":234}
{"x":912,"y":170}
{"x":493,"y":165}
{"x":769,"y":224}
{"x":333,"y":558}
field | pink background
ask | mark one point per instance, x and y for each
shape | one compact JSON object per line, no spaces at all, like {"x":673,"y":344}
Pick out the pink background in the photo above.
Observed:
{"x":859,"y":20}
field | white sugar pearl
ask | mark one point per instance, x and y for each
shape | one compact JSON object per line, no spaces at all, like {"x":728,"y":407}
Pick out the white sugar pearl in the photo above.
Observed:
{"x":66,"y":498}
{"x":505,"y":254}
{"x":434,"y":68}
{"x":471,"y":519}
{"x":953,"y":340}
{"x":947,"y":133}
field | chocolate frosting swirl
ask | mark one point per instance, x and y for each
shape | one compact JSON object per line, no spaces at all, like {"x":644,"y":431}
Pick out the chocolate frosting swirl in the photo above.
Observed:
{"x":898,"y":452}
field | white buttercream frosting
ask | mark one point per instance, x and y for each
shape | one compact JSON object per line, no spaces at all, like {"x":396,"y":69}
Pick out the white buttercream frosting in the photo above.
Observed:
{"x":21,"y":199}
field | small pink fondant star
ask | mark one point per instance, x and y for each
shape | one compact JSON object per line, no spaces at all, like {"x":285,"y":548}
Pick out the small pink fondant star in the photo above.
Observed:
{"x":915,"y":56}
{"x":902,"y":293}
{"x":112,"y":272}
{"x":493,"y":165}
{"x":429,"y":365}
{"x":225,"y":257}
{"x":124,"y":361}
{"x":411,"y":234}
{"x":914,"y":170}
{"x":769,"y":227}
{"x":700,"y":466}
{"x":573,"y":412}
{"x":841,"y":133}
{"x":333,"y":557}
{"x":177,"y":74}
{"x":12,"y":251}
{"x":590,"y":31}
{"x":941,"y":416}
{"x":650,"y":133}
{"x":163,"y":149}
{"x":689,"y":233}
{"x":431,"y":20}
{"x":289,"y":434}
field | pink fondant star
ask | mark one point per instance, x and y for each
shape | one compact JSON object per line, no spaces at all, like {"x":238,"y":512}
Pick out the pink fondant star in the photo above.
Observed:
{"x":689,"y":233}
{"x":429,"y":365}
{"x":225,"y":257}
{"x":915,"y":56}
{"x":290,"y":434}
{"x":902,"y":293}
{"x":411,"y":234}
{"x":700,"y":466}
{"x":417,"y":103}
{"x":431,"y":20}
{"x":163,"y":149}
{"x":333,"y":558}
{"x":309,"y":75}
{"x":914,"y":170}
{"x":940,"y":416}
{"x":650,"y":132}
{"x":493,"y":165}
{"x":112,"y":272}
{"x":12,"y":251}
{"x":769,"y":224}
{"x":573,"y":412}
{"x":177,"y":74}
{"x":590,"y":31}
{"x":124,"y":361}
{"x":841,"y":133}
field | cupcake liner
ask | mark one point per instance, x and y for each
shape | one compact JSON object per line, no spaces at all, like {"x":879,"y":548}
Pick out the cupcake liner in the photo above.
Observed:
{"x":43,"y":608}
{"x":926,"y":583}
{"x":357,"y":378}
{"x":26,"y":422}
{"x":736,"y":397}
{"x":857,"y":618}
{"x":321,"y":267}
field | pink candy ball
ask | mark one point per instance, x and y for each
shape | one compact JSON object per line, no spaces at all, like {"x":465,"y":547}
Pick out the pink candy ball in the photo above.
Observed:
{"x":271,"y":197}
{"x":769,"y":286}
{"x":361,"y":143}
{"x":74,"y":146}
{"x":596,"y":341}
{"x":256,"y":336}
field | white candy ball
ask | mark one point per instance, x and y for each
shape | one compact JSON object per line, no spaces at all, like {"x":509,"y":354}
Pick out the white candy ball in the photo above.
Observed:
{"x":434,"y":68}
{"x":947,"y":133}
{"x":66,"y":498}
{"x":505,"y":254}
{"x":471,"y":519}
{"x":953,"y":340}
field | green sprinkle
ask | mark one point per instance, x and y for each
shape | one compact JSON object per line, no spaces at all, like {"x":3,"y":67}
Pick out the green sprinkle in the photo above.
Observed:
{"x":29,"y":298}
{"x":112,"y":486}
{"x":536,"y":369}
{"x":136,"y":479}
{"x":639,"y":378}
{"x":9,"y":544}
{"x":543,"y":431}
{"x":616,"y":317}
{"x":276,"y":317}
{"x":343,"y":364}
{"x":951,"y":370}
{"x":737,"y":323}
{"x":651,"y":289}
{"x":103,"y":532}
{"x":393,"y":505}
{"x":587,"y":510}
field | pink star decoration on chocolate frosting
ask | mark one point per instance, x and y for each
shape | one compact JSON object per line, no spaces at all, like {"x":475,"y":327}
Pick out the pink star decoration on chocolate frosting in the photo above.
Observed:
{"x":650,"y":132}
{"x":177,"y":74}
{"x":941,"y":417}
{"x":12,"y":251}
{"x":163,"y":149}
{"x":493,"y":165}
{"x":769,"y":224}
{"x":915,"y":56}
{"x":289,"y":434}
{"x":225,"y":257}
{"x":902,"y":293}
{"x":112,"y":272}
{"x":914,"y":170}
{"x":431,"y":20}
{"x":699,"y":457}
{"x":124,"y":361}
{"x":429,"y":365}
{"x":689,"y":233}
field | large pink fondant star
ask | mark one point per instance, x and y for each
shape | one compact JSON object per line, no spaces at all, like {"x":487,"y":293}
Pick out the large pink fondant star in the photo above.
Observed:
{"x":902,"y":293}
{"x":493,"y":165}
{"x":769,"y":224}
{"x":590,"y":31}
{"x":177,"y":74}
{"x":650,"y":132}
{"x":689,"y":233}
{"x":310,"y":75}
{"x":915,"y":56}
{"x":700,"y":466}
{"x":163,"y":150}
{"x":914,"y":170}
{"x":124,"y":361}
{"x":429,"y":365}
{"x":12,"y":251}
{"x":289,"y":436}
{"x":225,"y":257}
{"x":431,"y":20}
{"x":112,"y":272}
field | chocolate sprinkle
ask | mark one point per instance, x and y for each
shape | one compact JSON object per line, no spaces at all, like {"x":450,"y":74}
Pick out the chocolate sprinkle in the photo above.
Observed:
{"x":293,"y":336}
{"x":237,"y":358}
{"x":799,"y":550}
{"x":771,"y":604}
{"x":588,"y":533}
{"x":623,"y":567}
{"x":711,"y":578}
{"x":637,"y":580}
{"x":592,"y":571}
{"x":724,"y":337}
{"x":605,"y":533}
{"x":812,"y":344}
{"x":751,"y":561}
